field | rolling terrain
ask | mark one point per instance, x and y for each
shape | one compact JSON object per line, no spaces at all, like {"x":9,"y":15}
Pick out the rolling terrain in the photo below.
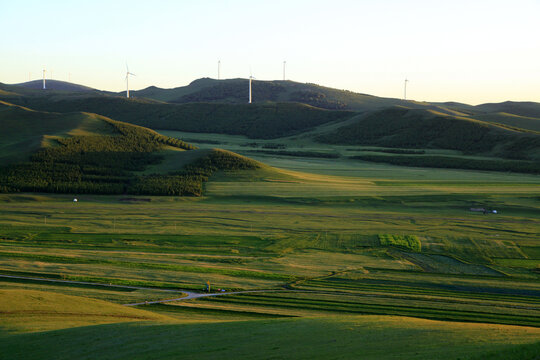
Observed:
{"x":387,"y":123}
{"x":88,"y":153}
{"x":346,"y":256}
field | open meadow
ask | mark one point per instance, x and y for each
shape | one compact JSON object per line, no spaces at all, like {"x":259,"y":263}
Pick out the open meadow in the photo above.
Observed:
{"x":339,"y":253}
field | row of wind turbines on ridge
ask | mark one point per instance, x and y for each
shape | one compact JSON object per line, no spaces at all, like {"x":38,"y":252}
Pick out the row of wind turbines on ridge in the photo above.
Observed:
{"x":251,"y":78}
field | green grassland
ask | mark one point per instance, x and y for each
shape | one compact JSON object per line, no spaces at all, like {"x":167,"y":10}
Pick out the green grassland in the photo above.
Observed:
{"x":344,"y":258}
{"x":25,"y":311}
{"x":313,"y":237}
{"x":331,"y":337}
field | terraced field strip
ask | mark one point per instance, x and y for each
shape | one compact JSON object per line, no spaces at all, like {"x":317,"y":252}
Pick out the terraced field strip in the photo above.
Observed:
{"x":427,"y":289}
{"x":88,"y":283}
{"x":434,"y":311}
{"x":147,"y":265}
{"x":170,"y":243}
{"x":444,"y":301}
{"x":83,"y":280}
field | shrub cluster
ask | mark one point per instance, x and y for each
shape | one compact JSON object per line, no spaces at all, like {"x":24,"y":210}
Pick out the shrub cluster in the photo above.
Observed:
{"x":410,"y":242}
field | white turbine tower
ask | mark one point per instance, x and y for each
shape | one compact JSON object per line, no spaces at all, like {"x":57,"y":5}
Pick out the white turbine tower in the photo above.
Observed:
{"x":251,"y":78}
{"x":219,"y":69}
{"x":405,"y":90}
{"x":284,"y":63}
{"x":127,"y":80}
{"x":44,"y":79}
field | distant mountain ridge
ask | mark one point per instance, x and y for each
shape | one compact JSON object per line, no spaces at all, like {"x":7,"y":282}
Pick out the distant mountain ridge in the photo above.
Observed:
{"x":161,"y":109}
{"x":56,"y":85}
{"x":509,"y":131}
{"x":235,"y":91}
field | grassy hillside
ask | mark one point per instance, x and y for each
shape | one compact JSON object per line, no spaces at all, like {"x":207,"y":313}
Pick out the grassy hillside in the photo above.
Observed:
{"x":110,"y":165}
{"x":256,"y":120}
{"x":411,"y":128}
{"x":310,"y":338}
{"x":32,"y":311}
{"x":523,"y":108}
{"x":523,"y":122}
{"x":88,"y":153}
{"x":236,"y":91}
{"x":56,"y":85}
{"x":423,"y":125}
{"x":23,"y":130}
{"x":189,"y":180}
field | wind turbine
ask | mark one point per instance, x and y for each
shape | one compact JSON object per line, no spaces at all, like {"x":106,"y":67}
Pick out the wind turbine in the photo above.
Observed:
{"x":405,"y":90}
{"x":250,"y":79}
{"x":44,"y":79}
{"x":127,"y":80}
{"x":219,"y":69}
{"x":284,"y":63}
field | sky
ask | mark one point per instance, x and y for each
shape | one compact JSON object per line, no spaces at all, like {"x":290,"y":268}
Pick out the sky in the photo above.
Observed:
{"x":467,"y":51}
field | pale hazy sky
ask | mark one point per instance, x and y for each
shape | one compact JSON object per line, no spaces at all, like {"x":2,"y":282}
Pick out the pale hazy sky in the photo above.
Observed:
{"x":467,"y":51}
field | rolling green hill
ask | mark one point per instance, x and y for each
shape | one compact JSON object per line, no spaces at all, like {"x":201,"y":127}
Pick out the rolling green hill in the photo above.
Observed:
{"x":523,"y":122}
{"x":24,"y":130}
{"x":89,"y":153}
{"x":212,"y":106}
{"x":401,"y":127}
{"x":236,"y":91}
{"x":269,"y":120}
{"x":56,"y":85}
{"x":523,"y":108}
{"x":31,"y":311}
